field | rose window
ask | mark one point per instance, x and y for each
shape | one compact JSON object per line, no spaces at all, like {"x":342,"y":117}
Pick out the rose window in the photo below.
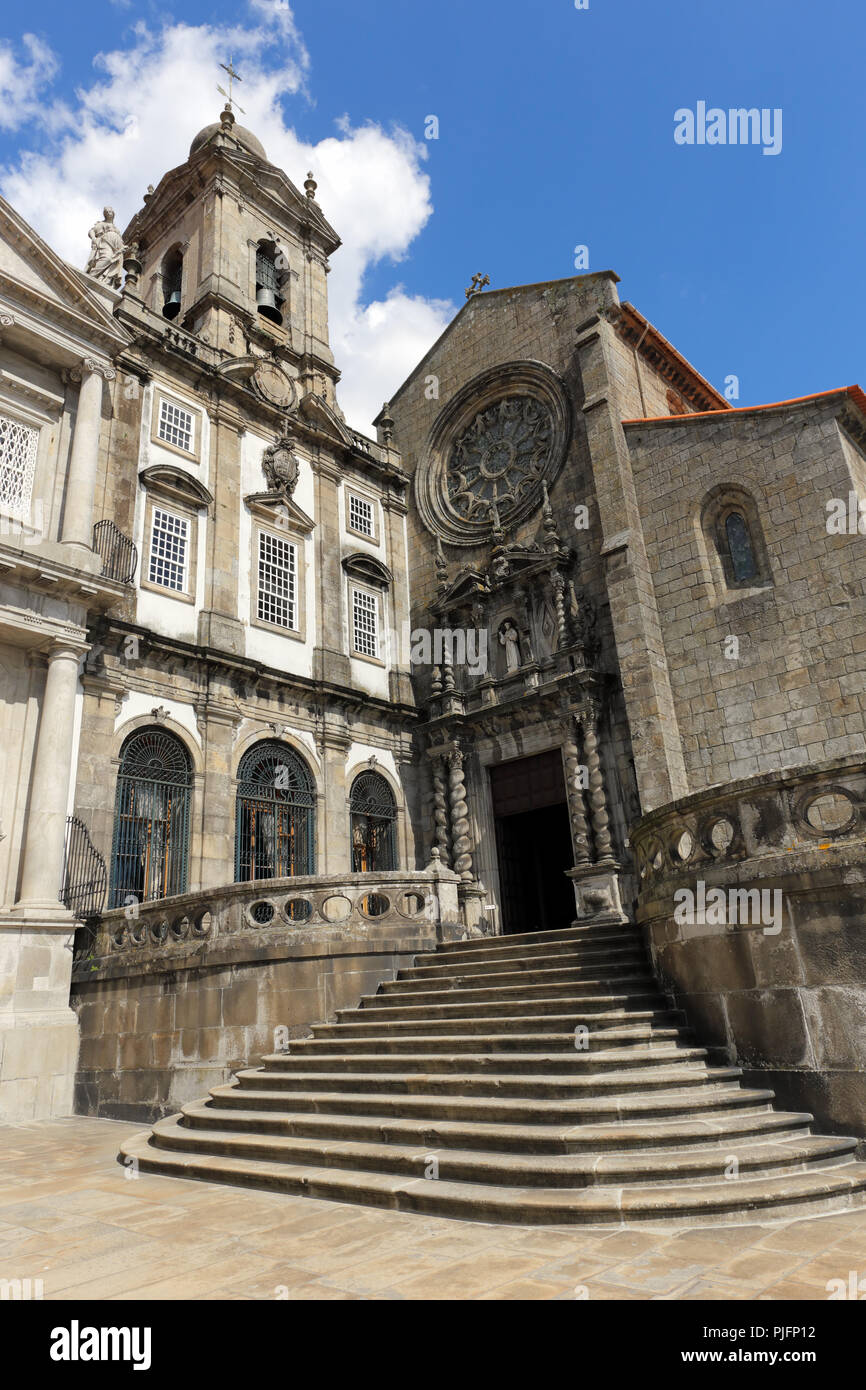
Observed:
{"x":499,"y":458}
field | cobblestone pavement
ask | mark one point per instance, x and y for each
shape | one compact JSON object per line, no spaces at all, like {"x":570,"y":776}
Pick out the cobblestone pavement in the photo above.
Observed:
{"x":71,"y":1217}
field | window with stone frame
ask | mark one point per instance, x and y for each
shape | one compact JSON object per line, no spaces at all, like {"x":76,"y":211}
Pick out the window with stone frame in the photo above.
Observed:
{"x":277,"y":594}
{"x":734,"y":539}
{"x":168,"y":566}
{"x":365,"y":623}
{"x":361,"y":515}
{"x":19,"y":444}
{"x":176,"y":426}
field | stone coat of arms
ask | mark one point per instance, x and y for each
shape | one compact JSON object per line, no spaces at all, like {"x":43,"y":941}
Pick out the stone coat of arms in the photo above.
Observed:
{"x":280,"y":465}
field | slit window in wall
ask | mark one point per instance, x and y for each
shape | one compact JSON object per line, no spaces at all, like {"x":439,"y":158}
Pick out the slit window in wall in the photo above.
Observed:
{"x":172,"y":280}
{"x":740,"y":550}
{"x":278,"y":581}
{"x":176,"y":426}
{"x":169,"y":551}
{"x":18,"y":448}
{"x":269,"y":299}
{"x":365,"y":623}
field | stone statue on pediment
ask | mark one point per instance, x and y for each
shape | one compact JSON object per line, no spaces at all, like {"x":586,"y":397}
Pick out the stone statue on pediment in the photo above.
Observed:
{"x":106,"y":251}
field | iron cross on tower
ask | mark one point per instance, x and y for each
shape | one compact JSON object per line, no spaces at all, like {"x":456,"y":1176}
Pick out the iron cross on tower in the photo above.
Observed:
{"x":227,"y":67}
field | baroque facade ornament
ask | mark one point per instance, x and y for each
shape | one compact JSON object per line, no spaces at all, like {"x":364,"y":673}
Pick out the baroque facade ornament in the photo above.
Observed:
{"x":492,"y":450}
{"x":280,"y":465}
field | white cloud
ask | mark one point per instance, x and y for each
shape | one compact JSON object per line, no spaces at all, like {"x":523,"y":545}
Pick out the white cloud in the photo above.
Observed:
{"x":135,"y":121}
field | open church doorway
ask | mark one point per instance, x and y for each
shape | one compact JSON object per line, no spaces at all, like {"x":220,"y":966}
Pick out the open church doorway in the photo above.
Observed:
{"x":533,"y":843}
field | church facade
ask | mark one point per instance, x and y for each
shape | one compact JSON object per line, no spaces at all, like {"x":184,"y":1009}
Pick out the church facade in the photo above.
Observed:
{"x":569,"y":637}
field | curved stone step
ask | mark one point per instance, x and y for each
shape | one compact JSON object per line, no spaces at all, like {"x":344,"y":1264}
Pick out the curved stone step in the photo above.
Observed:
{"x":542,"y":1086}
{"x":538,"y":939}
{"x":662,"y":1055}
{"x":586,"y":1003}
{"x":820,"y":1189}
{"x":518,"y":964}
{"x":780,"y":1156}
{"x":508,"y":981}
{"x":676,"y":1101}
{"x":394,"y":993}
{"x":369,"y":1024}
{"x":611,"y":1136}
{"x":626,"y":1036}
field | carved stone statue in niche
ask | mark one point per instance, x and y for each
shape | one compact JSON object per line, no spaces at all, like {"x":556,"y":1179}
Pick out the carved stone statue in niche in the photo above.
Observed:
{"x":105,"y":262}
{"x":509,"y":639}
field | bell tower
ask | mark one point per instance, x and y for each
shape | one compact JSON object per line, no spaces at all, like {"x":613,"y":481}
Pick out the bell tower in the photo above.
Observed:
{"x":231,"y":252}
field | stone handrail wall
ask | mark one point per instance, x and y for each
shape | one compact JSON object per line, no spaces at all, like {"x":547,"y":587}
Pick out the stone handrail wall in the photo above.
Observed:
{"x":790,"y":812}
{"x":753,"y":900}
{"x":266,"y":911}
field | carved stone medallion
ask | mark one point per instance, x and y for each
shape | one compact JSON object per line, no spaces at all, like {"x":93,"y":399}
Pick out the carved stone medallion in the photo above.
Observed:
{"x":274,"y":385}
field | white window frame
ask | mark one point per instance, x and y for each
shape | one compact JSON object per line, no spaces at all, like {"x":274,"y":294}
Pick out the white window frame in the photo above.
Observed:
{"x":372,"y":606}
{"x":361,"y":501}
{"x":166,"y":404}
{"x":265,"y":591}
{"x":18,"y":507}
{"x":185,"y":535}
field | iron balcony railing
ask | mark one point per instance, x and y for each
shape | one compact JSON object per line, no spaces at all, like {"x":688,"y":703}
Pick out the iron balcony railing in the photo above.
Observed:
{"x":119,"y":554}
{"x":84,"y":873}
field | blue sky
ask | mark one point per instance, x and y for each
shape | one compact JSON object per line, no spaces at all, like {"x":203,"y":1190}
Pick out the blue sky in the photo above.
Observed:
{"x":555,"y":129}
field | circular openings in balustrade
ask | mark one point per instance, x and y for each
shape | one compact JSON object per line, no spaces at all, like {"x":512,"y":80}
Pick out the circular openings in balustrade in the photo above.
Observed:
{"x":202,"y":924}
{"x":159,"y":931}
{"x":262,"y":913}
{"x":829,"y":813}
{"x":374,"y":904}
{"x":412,"y":904}
{"x":655,"y":858}
{"x":718,"y":836}
{"x":298,"y":910}
{"x":336,"y":908}
{"x":137,"y":932}
{"x":118,"y":937}
{"x":180,"y":928}
{"x":683,"y":847}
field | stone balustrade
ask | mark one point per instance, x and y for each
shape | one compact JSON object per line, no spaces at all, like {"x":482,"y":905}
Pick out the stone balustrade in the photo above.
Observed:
{"x":790,"y":812}
{"x":249,"y":915}
{"x":753,"y":899}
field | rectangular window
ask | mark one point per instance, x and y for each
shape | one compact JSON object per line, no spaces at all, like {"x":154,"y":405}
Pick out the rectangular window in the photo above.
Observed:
{"x":175,"y":426}
{"x":18,"y":445}
{"x":361,"y":515}
{"x":169,"y":551}
{"x":278,"y":581}
{"x":365,"y":623}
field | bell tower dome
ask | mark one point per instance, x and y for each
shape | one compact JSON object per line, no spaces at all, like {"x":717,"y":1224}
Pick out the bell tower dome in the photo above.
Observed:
{"x":234,"y":254}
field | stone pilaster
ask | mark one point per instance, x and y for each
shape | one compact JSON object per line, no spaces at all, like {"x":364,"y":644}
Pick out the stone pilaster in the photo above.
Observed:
{"x":217,"y":724}
{"x":219,"y":624}
{"x":333,"y":832}
{"x":84,"y":458}
{"x":330,"y":659}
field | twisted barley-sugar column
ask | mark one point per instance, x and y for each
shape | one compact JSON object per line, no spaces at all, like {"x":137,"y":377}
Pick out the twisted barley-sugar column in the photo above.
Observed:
{"x":440,"y":812}
{"x":576,"y":803}
{"x":597,"y":797}
{"x":461,"y":842}
{"x":558,"y":584}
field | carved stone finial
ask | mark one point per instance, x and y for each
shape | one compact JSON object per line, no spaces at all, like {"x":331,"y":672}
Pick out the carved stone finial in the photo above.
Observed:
{"x":105,"y":262}
{"x":441,"y":566}
{"x":386,"y":423}
{"x":551,"y":538}
{"x":310,"y":185}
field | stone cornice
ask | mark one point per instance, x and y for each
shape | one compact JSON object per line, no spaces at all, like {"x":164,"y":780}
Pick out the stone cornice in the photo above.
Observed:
{"x":631,"y":326}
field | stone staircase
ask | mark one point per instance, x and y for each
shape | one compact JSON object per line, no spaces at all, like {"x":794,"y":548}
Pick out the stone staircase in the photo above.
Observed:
{"x":461,"y":1089}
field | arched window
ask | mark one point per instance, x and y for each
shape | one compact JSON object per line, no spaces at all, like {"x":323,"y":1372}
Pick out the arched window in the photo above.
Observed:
{"x":269,"y":299}
{"x":150,"y":845}
{"x":172,"y":280}
{"x":741,"y":553}
{"x":374,"y":825}
{"x":274,"y":825}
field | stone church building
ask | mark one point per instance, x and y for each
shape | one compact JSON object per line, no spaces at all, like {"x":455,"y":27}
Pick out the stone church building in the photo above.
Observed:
{"x":560,"y":677}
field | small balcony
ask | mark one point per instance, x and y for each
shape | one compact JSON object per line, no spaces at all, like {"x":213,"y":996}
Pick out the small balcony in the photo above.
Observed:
{"x":118,"y":553}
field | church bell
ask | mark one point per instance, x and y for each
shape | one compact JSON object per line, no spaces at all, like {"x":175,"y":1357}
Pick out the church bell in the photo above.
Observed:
{"x":171,"y":307}
{"x":266,"y":303}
